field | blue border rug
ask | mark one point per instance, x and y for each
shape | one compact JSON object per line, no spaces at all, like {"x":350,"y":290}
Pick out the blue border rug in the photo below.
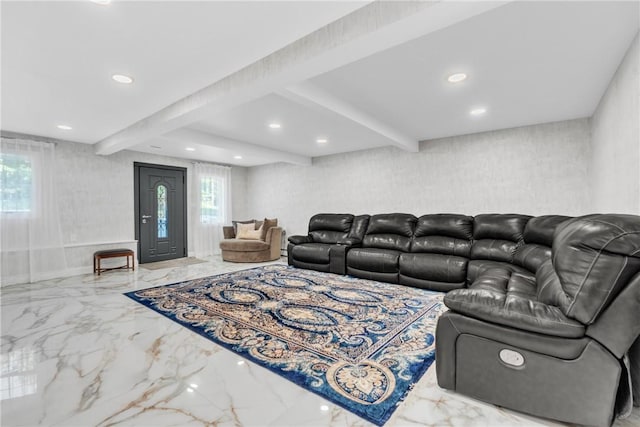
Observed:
{"x":358,"y":343}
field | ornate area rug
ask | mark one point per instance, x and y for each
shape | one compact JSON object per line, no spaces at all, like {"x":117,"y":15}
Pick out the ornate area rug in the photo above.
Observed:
{"x":358,"y":343}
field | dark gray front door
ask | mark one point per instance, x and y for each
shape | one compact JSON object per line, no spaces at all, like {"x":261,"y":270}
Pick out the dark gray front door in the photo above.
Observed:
{"x":161,"y":213}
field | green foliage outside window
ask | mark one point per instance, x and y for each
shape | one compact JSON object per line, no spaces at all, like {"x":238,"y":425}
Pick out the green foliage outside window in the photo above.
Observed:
{"x":16,"y":183}
{"x":210,"y":197}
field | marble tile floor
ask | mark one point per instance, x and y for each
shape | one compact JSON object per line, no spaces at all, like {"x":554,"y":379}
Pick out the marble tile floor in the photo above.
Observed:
{"x":76,"y":352}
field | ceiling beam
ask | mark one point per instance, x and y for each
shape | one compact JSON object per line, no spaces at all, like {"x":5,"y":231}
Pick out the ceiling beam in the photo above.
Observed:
{"x":375,"y":27}
{"x":203,"y":138}
{"x":313,"y":96}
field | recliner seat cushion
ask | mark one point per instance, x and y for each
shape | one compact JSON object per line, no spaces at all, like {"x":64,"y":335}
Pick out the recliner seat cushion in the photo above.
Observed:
{"x":373,"y":259}
{"x":503,"y":281}
{"x":434,"y":267}
{"x":506,"y":298}
{"x":317,"y":253}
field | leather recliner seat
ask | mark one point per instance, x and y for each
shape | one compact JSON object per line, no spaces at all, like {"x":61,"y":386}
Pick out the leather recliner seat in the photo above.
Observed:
{"x":544,"y":311}
{"x":439,"y":253}
{"x":326,"y":245}
{"x":496,"y":237}
{"x":386,"y":238}
{"x":552,"y":344}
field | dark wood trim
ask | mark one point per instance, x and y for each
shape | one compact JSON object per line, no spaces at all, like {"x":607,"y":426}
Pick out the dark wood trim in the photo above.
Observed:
{"x":136,"y":200}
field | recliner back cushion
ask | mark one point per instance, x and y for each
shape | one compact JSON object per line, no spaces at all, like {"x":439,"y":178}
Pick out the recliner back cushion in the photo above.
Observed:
{"x":445,"y":234}
{"x":497,"y":236}
{"x":541,"y":229}
{"x":595,"y":257}
{"x":390,"y":231}
{"x":359,"y":227}
{"x":538,"y":237}
{"x":329,"y":228}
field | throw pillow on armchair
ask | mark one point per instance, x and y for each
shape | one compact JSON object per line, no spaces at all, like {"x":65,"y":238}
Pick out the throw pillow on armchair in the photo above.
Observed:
{"x":248,"y":232}
{"x":266,"y":225}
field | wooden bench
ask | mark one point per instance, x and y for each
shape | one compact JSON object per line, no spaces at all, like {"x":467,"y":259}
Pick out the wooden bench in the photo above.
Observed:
{"x":113,"y":253}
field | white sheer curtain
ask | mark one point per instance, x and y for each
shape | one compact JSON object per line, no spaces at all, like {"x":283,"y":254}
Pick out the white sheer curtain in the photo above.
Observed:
{"x":211,"y":208}
{"x":31,"y":245}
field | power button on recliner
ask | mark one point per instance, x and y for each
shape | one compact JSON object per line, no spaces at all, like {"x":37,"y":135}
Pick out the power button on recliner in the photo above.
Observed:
{"x":511,"y":357}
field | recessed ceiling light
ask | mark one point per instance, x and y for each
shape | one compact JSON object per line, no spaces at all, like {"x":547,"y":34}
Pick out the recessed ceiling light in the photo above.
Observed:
{"x":192,"y":385}
{"x":456,"y":78}
{"x":101,"y":2}
{"x":324,"y":408}
{"x":478,"y":111}
{"x":121,"y":78}
{"x":64,"y":127}
{"x":237,"y":157}
{"x":189,"y":389}
{"x":321,"y":140}
{"x":275,"y":125}
{"x":240,"y":362}
{"x":190,"y":149}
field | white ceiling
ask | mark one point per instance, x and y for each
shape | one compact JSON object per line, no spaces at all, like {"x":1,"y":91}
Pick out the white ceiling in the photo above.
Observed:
{"x":528,"y":62}
{"x":301,"y":126}
{"x":58,"y":56}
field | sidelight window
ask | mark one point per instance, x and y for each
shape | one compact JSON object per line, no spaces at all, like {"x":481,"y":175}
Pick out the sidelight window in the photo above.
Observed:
{"x":211,"y":196}
{"x":161,"y":195}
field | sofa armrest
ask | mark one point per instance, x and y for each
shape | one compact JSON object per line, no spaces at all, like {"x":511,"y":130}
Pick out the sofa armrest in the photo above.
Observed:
{"x":338,"y":259}
{"x":297,"y":240}
{"x":349,"y":241}
{"x":619,"y":324}
{"x":513,"y":311}
{"x":228,"y":232}
{"x":452,"y":325}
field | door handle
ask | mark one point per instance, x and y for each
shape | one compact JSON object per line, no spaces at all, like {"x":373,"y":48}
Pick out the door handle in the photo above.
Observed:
{"x":146,"y":216}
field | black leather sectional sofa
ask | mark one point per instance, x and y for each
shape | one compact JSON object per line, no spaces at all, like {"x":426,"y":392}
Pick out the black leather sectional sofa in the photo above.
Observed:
{"x":544,"y":312}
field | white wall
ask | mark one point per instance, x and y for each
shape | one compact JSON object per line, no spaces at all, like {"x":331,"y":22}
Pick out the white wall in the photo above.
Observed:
{"x":238,"y":192}
{"x":533,"y":170}
{"x":96,"y":199}
{"x":572,"y":168}
{"x":614,"y":168}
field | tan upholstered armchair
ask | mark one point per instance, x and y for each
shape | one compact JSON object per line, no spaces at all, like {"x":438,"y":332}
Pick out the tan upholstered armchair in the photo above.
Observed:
{"x":251,"y":250}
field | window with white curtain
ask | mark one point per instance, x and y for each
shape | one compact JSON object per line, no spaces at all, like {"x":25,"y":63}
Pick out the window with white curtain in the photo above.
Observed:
{"x":31,"y":247}
{"x":211,"y":195}
{"x":211,"y":210}
{"x":17,"y":183}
